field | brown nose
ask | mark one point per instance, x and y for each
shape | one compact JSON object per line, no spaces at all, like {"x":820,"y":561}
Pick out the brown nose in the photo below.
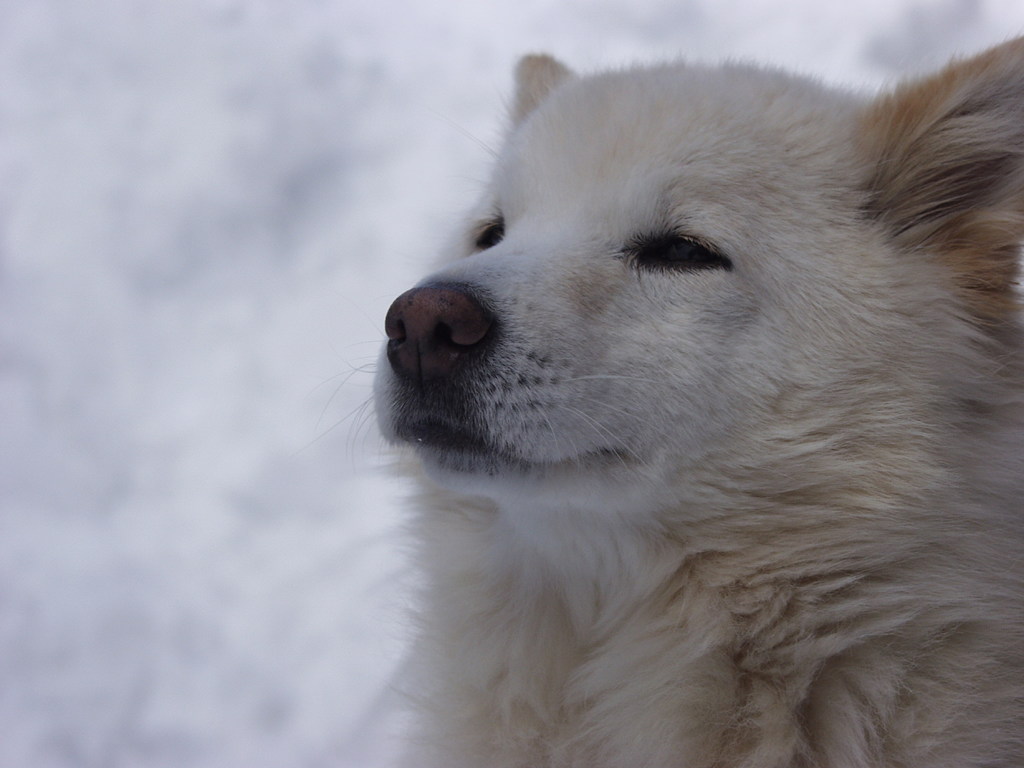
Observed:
{"x":432,"y":328}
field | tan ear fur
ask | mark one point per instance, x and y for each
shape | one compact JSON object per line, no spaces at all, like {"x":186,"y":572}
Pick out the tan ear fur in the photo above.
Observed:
{"x":536,"y":76}
{"x":948,"y":172}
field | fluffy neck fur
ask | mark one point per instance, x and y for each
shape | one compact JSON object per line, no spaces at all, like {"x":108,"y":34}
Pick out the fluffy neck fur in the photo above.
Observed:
{"x":759,"y":608}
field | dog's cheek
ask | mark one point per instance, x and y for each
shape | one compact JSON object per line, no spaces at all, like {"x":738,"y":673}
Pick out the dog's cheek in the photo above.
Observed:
{"x":593,"y":294}
{"x":682,"y":364}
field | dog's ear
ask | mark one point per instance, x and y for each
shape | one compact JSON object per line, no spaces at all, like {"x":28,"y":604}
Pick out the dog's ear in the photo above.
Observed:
{"x":947,"y":160}
{"x":536,"y":76}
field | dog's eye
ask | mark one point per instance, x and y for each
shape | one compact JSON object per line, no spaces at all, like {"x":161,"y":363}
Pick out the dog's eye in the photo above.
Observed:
{"x":676,"y":252}
{"x":491,"y":234}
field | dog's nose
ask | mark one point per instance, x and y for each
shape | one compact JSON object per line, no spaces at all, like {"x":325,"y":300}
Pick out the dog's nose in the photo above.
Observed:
{"x":432,"y":328}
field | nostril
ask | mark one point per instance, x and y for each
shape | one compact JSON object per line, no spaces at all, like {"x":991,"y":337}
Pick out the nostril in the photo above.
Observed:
{"x":443,"y":334}
{"x":468,"y":329}
{"x":394,"y":325}
{"x":397,"y":331}
{"x":460,"y":337}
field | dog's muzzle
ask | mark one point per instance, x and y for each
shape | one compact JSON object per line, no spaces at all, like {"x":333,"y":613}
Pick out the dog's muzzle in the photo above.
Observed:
{"x":440,"y":336}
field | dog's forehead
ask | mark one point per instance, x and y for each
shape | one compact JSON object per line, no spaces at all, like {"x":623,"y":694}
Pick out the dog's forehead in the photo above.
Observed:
{"x":639,"y":134}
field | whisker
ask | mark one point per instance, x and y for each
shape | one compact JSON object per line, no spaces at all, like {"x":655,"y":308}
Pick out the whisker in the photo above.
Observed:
{"x":360,"y":409}
{"x":475,"y":139}
{"x":611,"y":376}
{"x":348,"y":376}
{"x":607,"y":406}
{"x":554,"y":432}
{"x":353,"y":370}
{"x":361,"y":424}
{"x":601,"y":430}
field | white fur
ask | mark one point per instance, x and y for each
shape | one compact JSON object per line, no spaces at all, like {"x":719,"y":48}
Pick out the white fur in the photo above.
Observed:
{"x":766,"y":517}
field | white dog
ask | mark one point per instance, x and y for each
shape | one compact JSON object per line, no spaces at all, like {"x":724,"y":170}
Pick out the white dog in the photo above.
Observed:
{"x":720,"y":402}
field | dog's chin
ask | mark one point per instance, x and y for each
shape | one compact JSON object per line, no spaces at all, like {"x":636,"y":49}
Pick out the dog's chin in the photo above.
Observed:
{"x":455,"y":456}
{"x":463,"y":462}
{"x":459,"y":468}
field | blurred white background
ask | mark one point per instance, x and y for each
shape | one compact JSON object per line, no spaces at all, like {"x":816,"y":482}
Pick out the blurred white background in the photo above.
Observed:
{"x":206,"y":207}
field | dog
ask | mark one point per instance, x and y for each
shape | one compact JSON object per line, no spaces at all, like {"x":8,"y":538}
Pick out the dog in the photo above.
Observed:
{"x":716,"y":407}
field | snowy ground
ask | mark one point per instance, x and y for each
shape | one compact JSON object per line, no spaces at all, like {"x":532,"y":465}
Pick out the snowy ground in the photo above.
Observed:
{"x":205,"y":209}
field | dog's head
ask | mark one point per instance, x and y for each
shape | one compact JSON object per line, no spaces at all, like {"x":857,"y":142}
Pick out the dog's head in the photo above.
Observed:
{"x":670,"y":263}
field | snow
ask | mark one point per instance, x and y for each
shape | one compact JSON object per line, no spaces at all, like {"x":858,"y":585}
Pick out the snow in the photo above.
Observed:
{"x":205,"y":209}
